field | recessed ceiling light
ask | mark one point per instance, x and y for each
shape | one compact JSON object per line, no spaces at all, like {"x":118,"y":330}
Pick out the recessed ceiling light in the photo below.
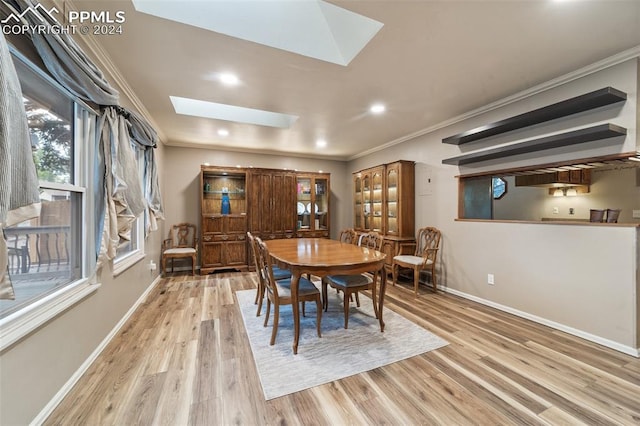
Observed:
{"x":229,"y":79}
{"x":223,"y":132}
{"x":377,"y":108}
{"x":321,"y":143}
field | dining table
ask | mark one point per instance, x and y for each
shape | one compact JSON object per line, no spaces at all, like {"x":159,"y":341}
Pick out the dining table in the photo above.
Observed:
{"x":321,"y":257}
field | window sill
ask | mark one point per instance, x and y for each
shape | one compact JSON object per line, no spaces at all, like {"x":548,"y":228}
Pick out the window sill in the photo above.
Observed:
{"x":554,"y":222}
{"x":126,"y":262}
{"x":14,"y":327}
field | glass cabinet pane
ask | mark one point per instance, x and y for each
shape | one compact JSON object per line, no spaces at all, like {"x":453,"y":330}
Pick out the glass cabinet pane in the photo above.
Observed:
{"x":303,"y":206}
{"x":392,"y":201}
{"x":357,"y":220}
{"x":376,"y":196}
{"x":321,"y":204}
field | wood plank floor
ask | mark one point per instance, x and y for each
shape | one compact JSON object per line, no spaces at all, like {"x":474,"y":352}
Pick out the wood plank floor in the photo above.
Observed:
{"x":184,"y":359}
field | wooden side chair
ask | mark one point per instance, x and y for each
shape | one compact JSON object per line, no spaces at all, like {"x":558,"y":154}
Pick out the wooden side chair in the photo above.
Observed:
{"x":279,"y":291}
{"x":348,"y":236}
{"x":350,"y":284}
{"x":427,"y":245}
{"x":278,"y":273}
{"x":182,"y":243}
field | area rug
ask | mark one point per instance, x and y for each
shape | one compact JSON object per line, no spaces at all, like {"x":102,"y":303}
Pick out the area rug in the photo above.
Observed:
{"x":338,"y":353}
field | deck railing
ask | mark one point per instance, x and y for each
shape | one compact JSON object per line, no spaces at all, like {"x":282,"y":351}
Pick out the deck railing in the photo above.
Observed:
{"x":35,"y":249}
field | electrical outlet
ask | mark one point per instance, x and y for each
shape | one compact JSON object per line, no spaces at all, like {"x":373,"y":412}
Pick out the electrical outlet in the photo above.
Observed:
{"x":152,"y":265}
{"x":571,"y":210}
{"x":636,"y":214}
{"x":490,"y":279}
{"x":556,"y":210}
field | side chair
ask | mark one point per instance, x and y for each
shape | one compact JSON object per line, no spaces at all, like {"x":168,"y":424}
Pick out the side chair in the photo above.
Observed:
{"x":182,"y":243}
{"x":279,"y":291}
{"x":350,"y":284}
{"x":278,"y":273}
{"x":424,"y":258}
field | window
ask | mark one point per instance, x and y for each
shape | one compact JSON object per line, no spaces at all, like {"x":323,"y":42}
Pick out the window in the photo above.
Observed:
{"x":47,"y":253}
{"x":132,"y":250}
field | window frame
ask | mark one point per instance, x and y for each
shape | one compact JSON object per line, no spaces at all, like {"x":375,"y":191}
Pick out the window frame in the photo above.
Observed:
{"x":18,"y":324}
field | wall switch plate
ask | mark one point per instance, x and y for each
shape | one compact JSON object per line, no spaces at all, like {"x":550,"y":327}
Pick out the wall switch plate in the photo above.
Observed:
{"x":490,"y":279}
{"x":636,"y":214}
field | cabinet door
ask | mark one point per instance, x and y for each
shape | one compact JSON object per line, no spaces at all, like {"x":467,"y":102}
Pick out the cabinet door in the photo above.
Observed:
{"x":357,"y":200}
{"x":212,"y":254}
{"x":212,"y":224}
{"x":391,"y":216}
{"x":283,"y":203}
{"x":235,"y":253}
{"x":377,"y":206}
{"x":235,"y":225}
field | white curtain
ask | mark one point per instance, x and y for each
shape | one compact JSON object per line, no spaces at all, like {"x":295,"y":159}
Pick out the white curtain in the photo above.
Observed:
{"x":19,"y":196}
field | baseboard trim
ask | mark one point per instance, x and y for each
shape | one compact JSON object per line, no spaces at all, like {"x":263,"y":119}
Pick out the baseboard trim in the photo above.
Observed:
{"x":59,"y":396}
{"x":560,"y":327}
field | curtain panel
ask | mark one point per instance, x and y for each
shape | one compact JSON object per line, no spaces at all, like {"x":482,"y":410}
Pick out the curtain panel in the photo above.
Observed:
{"x":64,"y":59}
{"x":19,"y":194}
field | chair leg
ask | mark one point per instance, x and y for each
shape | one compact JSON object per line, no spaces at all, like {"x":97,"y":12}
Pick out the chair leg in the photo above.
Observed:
{"x":276,"y":319}
{"x":346,"y":309}
{"x":193,"y":265}
{"x":394,"y":273}
{"x":303,"y":305}
{"x":318,"y":315}
{"x":357,"y":299}
{"x":259,"y":297}
{"x":374,"y":299}
{"x":325,"y":302}
{"x":162,"y":262}
{"x":433,"y":278}
{"x":266,"y":316}
{"x":416,"y":280}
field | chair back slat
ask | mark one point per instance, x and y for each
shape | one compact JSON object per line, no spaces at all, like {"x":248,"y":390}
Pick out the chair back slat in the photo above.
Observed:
{"x":372,"y":240}
{"x":427,"y":243}
{"x":265,"y":270}
{"x":348,"y":236}
{"x":183,"y":235}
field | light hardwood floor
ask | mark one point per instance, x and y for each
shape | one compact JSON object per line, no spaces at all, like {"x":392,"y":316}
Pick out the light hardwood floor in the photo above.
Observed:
{"x":184,"y":358}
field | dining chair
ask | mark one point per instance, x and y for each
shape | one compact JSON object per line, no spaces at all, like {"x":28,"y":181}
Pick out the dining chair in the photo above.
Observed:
{"x":349,"y":236}
{"x":278,"y":292}
{"x":424,"y":258}
{"x":182,"y":243}
{"x":278,"y":273}
{"x":350,"y":284}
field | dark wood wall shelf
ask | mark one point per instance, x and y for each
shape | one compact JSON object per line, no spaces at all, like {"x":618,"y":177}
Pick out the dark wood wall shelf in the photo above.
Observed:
{"x":602,"y":131}
{"x":588,"y":101}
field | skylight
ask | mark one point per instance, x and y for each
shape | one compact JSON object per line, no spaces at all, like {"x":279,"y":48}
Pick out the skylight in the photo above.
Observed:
{"x":238,"y":114}
{"x":312,"y":28}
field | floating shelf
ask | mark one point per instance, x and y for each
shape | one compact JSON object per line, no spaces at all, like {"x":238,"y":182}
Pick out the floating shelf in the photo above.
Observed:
{"x":592,"y":100}
{"x":603,"y":131}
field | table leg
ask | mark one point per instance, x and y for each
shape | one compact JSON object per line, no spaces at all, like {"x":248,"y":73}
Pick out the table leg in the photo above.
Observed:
{"x":295,"y":279}
{"x":383,"y":288}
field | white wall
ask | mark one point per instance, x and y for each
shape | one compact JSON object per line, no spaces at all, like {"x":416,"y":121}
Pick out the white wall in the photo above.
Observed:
{"x":581,"y":278}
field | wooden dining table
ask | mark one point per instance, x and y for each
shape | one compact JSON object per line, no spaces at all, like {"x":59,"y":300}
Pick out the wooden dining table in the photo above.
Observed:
{"x":322,"y":257}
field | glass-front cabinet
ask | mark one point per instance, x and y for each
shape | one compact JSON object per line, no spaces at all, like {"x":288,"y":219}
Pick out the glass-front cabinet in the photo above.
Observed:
{"x":368,"y":200}
{"x":392,"y":201}
{"x":223,"y":222}
{"x":312,"y":205}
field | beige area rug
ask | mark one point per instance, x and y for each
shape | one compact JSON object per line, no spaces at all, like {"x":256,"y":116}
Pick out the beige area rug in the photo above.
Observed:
{"x":338,"y":353}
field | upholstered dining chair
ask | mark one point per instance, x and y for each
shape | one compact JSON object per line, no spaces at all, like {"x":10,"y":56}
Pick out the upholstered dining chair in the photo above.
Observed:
{"x":424,"y":258}
{"x":278,"y":273}
{"x":181,"y":244}
{"x":278,"y":292}
{"x":350,"y":284}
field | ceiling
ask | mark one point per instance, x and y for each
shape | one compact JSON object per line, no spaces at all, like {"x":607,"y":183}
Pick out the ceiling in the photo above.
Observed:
{"x":430,"y":62}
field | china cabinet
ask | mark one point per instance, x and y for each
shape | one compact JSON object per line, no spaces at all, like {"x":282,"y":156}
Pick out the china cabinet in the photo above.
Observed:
{"x":384,"y":201}
{"x":223,"y":219}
